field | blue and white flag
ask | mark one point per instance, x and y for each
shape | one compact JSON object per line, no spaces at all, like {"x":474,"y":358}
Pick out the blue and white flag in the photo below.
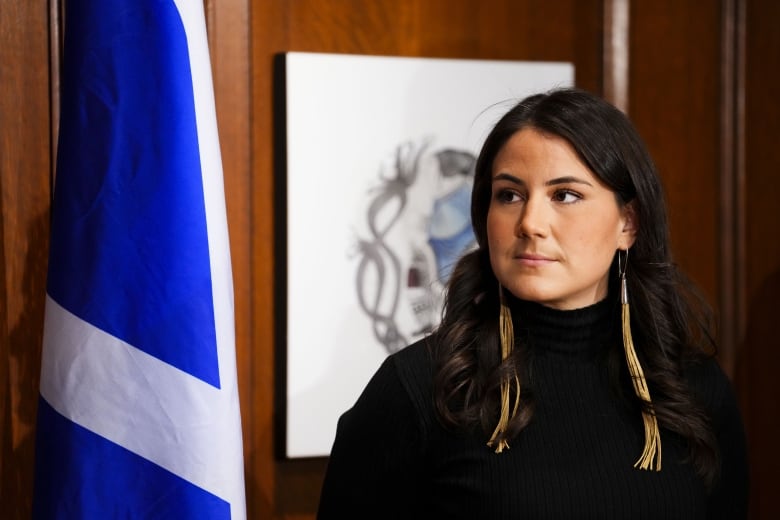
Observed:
{"x":139,"y":413}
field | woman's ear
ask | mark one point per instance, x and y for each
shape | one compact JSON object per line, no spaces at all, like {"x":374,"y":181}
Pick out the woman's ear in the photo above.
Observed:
{"x":630,"y":226}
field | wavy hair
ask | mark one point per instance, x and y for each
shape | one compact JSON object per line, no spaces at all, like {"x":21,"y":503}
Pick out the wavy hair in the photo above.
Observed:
{"x":670,"y":321}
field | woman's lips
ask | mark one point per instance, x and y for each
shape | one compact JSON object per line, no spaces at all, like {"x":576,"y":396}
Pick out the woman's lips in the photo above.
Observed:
{"x":533,"y":259}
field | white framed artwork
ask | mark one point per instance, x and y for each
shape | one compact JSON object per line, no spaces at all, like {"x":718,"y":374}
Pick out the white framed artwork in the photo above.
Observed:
{"x":378,"y":159}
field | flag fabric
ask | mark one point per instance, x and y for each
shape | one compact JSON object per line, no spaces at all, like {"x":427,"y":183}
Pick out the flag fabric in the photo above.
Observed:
{"x":139,"y":412}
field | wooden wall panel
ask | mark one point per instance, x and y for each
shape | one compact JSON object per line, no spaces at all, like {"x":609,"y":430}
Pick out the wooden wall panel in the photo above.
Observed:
{"x":760,"y":354}
{"x":24,"y":229}
{"x":674,"y":87}
{"x":564,"y":30}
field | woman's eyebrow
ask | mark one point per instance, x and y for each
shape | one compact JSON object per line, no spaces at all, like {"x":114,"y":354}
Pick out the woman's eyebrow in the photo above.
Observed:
{"x":508,"y":177}
{"x":569,"y":179}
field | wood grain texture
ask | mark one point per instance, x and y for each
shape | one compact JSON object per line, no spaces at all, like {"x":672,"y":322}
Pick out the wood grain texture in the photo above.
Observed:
{"x":731,"y":276}
{"x":25,"y":132}
{"x":616,"y":52}
{"x":675,"y":104}
{"x":760,"y":354}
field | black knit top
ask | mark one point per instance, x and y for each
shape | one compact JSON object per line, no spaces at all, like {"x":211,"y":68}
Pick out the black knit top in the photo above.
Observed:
{"x":392,"y":459}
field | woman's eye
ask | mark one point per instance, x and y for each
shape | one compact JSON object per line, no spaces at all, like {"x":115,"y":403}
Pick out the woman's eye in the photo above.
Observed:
{"x":566,"y":196}
{"x":507,"y":196}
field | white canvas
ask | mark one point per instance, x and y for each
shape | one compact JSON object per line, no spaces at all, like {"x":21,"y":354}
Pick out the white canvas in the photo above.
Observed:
{"x":382,"y":141}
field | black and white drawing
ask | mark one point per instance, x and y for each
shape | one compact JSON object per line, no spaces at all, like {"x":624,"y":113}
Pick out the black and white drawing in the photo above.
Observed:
{"x":380,"y":161}
{"x":387,"y":280}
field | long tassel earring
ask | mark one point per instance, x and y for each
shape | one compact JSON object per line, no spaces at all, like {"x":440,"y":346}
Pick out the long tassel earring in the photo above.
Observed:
{"x":651,"y":456}
{"x":507,"y":339}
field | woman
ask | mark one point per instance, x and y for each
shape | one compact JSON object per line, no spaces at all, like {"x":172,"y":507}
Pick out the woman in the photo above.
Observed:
{"x":571,"y":376}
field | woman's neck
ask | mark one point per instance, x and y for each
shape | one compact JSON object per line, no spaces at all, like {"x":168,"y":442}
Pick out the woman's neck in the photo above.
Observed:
{"x":578,"y":332}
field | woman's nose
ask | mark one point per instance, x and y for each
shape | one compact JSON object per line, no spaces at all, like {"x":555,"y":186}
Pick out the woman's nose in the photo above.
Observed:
{"x":532,"y":220}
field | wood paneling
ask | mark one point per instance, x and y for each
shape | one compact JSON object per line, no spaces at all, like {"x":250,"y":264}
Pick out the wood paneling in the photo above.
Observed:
{"x":25,"y":130}
{"x":616,"y":52}
{"x":759,"y":357}
{"x":675,"y":100}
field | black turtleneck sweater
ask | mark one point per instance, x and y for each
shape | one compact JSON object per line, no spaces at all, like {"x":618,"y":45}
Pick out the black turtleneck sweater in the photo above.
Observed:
{"x":392,"y":459}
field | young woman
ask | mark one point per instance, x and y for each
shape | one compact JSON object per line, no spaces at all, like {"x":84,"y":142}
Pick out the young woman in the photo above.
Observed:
{"x":572,"y":374}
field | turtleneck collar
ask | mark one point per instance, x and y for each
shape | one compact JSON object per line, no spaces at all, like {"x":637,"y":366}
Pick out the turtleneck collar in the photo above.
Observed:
{"x":579,"y":332}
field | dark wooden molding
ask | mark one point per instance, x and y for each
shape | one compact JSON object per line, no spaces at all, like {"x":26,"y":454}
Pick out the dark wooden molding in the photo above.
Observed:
{"x":740,"y":174}
{"x":56,"y":44}
{"x":616,"y":52}
{"x":732,"y":184}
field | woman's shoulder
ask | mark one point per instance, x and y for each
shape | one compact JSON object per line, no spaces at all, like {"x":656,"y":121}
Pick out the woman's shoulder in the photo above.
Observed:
{"x":404,"y":374}
{"x":706,"y":374}
{"x":414,"y":367}
{"x":416,"y":356}
{"x":399,"y":392}
{"x":711,"y":386}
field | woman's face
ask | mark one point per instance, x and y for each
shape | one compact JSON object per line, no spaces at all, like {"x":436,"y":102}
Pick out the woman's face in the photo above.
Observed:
{"x":553,"y":227}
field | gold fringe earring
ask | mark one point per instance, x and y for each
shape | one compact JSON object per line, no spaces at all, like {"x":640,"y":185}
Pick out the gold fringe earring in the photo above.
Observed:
{"x":651,"y":456}
{"x":507,"y":339}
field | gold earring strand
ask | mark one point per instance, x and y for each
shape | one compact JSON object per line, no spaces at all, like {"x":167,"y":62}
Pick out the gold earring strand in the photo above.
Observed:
{"x":507,"y":338}
{"x":651,"y":455}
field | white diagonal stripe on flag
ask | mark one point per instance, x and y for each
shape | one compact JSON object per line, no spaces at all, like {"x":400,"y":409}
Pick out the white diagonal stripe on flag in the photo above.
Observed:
{"x":141,"y":403}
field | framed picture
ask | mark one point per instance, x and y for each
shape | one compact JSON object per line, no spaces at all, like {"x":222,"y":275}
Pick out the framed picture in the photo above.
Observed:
{"x":375,"y":161}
